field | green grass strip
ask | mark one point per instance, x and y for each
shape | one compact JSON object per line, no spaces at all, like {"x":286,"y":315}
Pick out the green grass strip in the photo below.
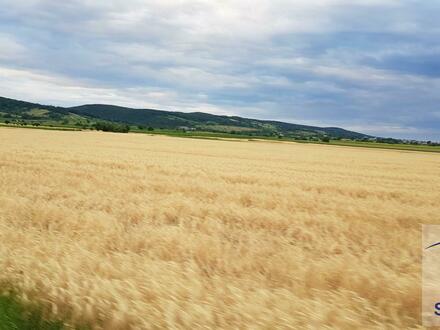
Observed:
{"x":15,"y":316}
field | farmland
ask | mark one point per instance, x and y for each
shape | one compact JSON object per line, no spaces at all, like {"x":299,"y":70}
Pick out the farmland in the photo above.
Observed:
{"x":120,"y":231}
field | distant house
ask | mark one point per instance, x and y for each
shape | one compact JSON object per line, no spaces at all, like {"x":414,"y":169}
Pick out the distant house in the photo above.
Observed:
{"x":186,"y":128}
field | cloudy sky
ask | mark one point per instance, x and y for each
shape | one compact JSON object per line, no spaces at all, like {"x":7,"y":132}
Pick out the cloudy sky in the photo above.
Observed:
{"x":367,"y":65}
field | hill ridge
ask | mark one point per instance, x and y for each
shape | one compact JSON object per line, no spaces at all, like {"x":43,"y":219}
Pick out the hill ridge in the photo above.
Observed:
{"x":155,"y":118}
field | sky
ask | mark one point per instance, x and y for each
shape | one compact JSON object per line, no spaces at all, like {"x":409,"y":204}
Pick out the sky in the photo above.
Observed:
{"x":369,"y":65}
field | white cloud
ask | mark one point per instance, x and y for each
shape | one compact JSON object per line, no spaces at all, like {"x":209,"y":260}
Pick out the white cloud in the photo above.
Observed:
{"x":43,"y":88}
{"x":62,"y":91}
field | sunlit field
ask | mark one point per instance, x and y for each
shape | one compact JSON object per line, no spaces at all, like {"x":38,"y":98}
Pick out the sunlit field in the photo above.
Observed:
{"x":122,"y":231}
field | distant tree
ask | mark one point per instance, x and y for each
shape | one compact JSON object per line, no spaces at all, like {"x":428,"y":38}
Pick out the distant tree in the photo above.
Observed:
{"x":141,"y":127}
{"x":387,"y":140}
{"x":26,"y":116}
{"x":112,"y":127}
{"x":150,"y":128}
{"x":7,"y":122}
{"x":325,"y":139}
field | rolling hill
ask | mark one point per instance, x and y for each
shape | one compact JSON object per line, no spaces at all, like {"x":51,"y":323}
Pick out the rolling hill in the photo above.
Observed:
{"x":87,"y":115}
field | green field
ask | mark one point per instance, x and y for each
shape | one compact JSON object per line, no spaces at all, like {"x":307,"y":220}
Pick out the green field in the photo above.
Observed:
{"x":219,"y":135}
{"x":52,"y":127}
{"x":399,"y":146}
{"x":212,"y":135}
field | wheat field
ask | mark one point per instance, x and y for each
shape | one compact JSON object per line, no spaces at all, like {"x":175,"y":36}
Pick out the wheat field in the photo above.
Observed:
{"x":130,"y":231}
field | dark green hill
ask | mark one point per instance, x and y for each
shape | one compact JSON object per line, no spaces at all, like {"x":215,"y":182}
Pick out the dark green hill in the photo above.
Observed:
{"x":81,"y":115}
{"x":205,"y":121}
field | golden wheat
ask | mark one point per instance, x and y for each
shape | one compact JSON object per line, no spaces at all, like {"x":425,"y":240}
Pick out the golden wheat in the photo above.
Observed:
{"x":135,"y":231}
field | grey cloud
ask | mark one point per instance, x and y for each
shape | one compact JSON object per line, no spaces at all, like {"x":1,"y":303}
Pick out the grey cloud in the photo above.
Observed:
{"x":370,"y":64}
